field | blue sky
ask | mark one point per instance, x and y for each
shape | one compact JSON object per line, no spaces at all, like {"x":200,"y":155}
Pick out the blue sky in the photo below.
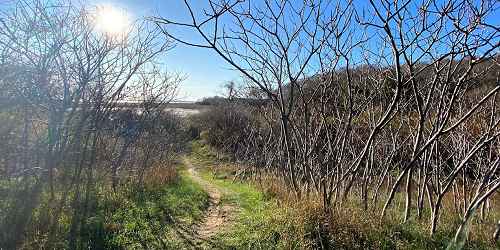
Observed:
{"x":205,"y":71}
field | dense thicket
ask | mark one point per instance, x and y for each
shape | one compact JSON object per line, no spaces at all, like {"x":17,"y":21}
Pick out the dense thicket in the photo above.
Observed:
{"x":65,"y":140}
{"x":464,"y":164}
{"x":382,"y":102}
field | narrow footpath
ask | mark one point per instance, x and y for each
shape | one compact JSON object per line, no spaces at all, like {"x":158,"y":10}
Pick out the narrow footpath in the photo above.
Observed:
{"x":217,"y":216}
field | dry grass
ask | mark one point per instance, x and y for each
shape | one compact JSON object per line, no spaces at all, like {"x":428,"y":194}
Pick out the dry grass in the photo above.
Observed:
{"x":161,"y":175}
{"x":349,"y":226}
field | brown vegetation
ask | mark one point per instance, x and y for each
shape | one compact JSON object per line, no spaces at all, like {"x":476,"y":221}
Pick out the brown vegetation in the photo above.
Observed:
{"x":376,"y":103}
{"x":65,"y":143}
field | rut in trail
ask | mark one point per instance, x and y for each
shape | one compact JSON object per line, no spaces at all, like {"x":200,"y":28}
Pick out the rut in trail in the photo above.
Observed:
{"x":218,"y":215}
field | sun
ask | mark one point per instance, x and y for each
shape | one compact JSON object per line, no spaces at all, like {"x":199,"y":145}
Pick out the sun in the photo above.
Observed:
{"x":111,"y":21}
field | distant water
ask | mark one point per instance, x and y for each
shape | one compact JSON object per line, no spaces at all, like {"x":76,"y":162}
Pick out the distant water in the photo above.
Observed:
{"x":183,"y":112}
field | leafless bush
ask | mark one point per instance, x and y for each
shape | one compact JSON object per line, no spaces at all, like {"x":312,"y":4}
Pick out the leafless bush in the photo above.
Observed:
{"x":65,"y":88}
{"x":385,"y":98}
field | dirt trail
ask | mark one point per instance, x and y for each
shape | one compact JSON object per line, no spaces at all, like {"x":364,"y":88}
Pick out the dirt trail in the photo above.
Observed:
{"x":217,"y":216}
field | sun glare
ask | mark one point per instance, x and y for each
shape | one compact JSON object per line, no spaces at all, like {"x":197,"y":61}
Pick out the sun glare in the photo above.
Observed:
{"x":111,"y":20}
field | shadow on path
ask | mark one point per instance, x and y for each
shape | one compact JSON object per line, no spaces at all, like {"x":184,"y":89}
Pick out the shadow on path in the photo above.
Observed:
{"x":216,"y":218}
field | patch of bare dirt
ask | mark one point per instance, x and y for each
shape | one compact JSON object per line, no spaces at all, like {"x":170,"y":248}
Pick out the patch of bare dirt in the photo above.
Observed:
{"x":218,"y":215}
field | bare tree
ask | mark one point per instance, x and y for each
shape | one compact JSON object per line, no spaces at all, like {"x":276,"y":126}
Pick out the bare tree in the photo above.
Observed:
{"x":69,"y":83}
{"x":364,"y":96}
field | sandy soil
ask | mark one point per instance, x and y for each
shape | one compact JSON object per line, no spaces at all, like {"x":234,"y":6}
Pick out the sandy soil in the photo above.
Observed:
{"x":217,"y":216}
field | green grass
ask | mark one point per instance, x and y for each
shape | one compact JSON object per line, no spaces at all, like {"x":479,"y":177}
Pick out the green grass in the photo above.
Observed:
{"x":260,"y":222}
{"x":146,"y":218}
